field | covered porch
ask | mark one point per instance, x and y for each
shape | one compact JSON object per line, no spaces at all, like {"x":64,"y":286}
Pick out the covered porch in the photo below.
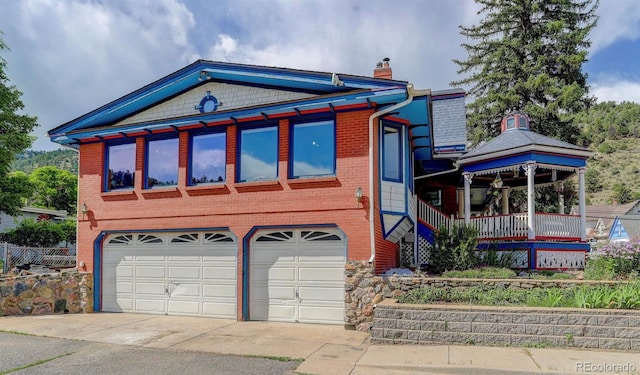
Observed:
{"x":515,"y":164}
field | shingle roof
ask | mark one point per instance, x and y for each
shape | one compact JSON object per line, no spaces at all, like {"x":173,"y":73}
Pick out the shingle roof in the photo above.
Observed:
{"x":517,"y":138}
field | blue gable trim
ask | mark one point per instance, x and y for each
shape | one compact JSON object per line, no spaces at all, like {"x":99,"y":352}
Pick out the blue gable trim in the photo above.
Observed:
{"x":618,"y":232}
{"x":201,"y":71}
{"x":555,"y":159}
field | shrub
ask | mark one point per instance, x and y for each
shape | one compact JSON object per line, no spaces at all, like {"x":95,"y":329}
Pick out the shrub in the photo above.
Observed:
{"x":617,"y":259}
{"x":482,"y":273}
{"x":454,"y":249}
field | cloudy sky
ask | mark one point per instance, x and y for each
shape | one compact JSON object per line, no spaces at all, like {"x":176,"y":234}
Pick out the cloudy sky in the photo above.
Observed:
{"x":69,"y":57}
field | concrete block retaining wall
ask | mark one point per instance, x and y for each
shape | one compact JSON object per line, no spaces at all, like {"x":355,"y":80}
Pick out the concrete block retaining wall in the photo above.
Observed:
{"x":53,"y":293}
{"x":520,"y":326}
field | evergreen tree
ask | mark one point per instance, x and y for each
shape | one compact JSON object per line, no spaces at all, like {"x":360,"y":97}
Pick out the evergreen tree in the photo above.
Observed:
{"x":527,"y":55}
{"x":14,"y":137}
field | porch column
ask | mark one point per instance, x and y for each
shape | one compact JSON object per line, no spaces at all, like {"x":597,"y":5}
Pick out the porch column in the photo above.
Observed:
{"x":460,"y":203}
{"x":505,"y":201}
{"x":531,"y":200}
{"x":560,"y":189}
{"x":582,"y":199}
{"x":467,"y":196}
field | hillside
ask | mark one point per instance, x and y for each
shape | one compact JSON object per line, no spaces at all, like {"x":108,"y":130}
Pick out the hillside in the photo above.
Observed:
{"x":27,"y":161}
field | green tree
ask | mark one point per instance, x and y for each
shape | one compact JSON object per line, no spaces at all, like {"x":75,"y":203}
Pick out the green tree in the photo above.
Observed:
{"x":15,"y":189}
{"x":14,"y":137}
{"x":622,"y":193}
{"x":54,"y":188}
{"x":29,"y":232}
{"x":527,"y":55}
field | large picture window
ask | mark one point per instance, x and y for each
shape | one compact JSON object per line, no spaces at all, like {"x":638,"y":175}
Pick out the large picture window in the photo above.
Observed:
{"x":258,"y":154}
{"x":392,"y":153}
{"x":313,"y":149}
{"x":162,"y":162}
{"x":208,"y":158}
{"x":121,"y":166}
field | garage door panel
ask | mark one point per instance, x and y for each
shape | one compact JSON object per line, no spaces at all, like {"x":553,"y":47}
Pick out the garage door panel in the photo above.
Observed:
{"x":321,"y":294}
{"x":219,"y":309}
{"x":157,"y":288}
{"x":281,"y":293}
{"x":268,"y":256}
{"x":219,"y":273}
{"x":150,"y":258}
{"x":153,"y":272}
{"x":123,"y":304}
{"x":184,"y":289}
{"x":281,"y":313}
{"x":121,"y":287}
{"x":149,"y":305}
{"x":224,"y":257}
{"x":177,"y":272}
{"x":184,"y":307}
{"x":282,"y":274}
{"x":219,"y":291}
{"x":321,"y":314}
{"x":320,"y":274}
{"x":124,"y":271}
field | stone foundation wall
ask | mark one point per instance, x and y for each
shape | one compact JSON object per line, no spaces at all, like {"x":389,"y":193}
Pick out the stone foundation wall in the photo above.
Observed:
{"x":396,"y":323}
{"x":54,"y":293}
{"x":364,"y":289}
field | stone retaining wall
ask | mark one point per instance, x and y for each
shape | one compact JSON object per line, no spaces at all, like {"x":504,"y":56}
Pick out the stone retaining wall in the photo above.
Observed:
{"x":396,"y":323}
{"x":364,"y":289}
{"x":53,"y":293}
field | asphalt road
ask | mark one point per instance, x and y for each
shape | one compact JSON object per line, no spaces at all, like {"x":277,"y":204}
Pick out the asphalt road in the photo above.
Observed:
{"x":22,"y":354}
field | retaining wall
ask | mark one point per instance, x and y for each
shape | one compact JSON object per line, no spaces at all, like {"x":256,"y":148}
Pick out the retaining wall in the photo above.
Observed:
{"x":364,"y":289}
{"x":43,"y":294}
{"x":517,"y":326}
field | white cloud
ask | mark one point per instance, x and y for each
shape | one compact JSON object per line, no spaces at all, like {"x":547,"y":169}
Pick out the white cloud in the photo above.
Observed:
{"x":617,"y":91}
{"x":618,"y":19}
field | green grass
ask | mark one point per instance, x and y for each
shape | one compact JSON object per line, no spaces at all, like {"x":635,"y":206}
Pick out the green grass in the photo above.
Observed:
{"x":618,"y":296}
{"x":482,"y":273}
{"x":274,"y":358}
{"x":36,"y":363}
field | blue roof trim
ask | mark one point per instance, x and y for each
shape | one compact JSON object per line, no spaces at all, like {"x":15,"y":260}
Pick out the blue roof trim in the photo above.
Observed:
{"x":380,"y":96}
{"x":201,"y":71}
{"x":562,"y":160}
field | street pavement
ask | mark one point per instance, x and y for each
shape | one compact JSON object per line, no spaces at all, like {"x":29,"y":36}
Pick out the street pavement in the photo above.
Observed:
{"x":120,"y":343}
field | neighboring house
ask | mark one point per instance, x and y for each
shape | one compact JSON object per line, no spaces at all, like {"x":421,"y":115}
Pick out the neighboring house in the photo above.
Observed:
{"x":240,"y":191}
{"x":10,"y":222}
{"x":612,"y":222}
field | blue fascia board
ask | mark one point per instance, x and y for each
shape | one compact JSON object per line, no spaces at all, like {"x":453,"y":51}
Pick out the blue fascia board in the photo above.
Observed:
{"x":563,"y":160}
{"x":188,"y":77}
{"x":391,"y":95}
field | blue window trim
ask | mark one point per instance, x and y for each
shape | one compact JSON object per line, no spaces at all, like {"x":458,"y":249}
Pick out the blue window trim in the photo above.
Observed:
{"x":145,"y":174}
{"x":240,"y":128}
{"x":107,"y":145}
{"x":311,"y":120}
{"x":194,"y":133}
{"x":400,"y":151}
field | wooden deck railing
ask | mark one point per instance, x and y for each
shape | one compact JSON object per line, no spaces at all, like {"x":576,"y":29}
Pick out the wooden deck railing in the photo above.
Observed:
{"x":508,"y":227}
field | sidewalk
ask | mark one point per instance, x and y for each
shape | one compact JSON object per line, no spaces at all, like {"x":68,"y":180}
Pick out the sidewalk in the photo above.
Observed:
{"x":325,"y":349}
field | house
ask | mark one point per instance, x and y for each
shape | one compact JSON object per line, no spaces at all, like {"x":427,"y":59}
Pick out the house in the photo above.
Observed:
{"x":241,"y":191}
{"x":611,"y":222}
{"x":28,"y":212}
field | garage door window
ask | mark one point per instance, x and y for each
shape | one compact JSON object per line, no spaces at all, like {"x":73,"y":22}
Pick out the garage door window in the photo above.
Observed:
{"x":276,"y":236}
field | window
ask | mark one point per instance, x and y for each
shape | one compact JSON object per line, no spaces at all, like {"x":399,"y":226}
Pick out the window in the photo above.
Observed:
{"x":511,"y":123}
{"x":208,"y":158}
{"x":313,"y":149}
{"x":258,"y":154}
{"x":162,"y":163}
{"x":391,"y":154}
{"x":121,"y":166}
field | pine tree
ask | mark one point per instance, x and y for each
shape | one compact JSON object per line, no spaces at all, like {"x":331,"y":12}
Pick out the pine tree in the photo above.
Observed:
{"x":527,"y":55}
{"x":14,"y":137}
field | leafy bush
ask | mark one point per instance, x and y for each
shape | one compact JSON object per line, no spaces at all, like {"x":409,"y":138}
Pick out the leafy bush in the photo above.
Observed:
{"x":482,"y":273}
{"x":44,"y":233}
{"x":617,"y":259}
{"x":454,"y":249}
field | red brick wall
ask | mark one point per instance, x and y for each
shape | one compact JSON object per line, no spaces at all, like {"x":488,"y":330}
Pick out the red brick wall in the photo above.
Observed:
{"x":239,"y":206}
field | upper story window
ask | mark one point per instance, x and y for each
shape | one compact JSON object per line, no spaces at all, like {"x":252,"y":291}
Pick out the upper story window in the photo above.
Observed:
{"x":258,"y":154}
{"x":162,"y":163}
{"x":121,"y":166}
{"x":207,"y":158}
{"x":313,"y":149}
{"x":392,"y":153}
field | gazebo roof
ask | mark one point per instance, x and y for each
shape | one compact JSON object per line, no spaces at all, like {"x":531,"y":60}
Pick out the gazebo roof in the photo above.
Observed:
{"x":518,"y":141}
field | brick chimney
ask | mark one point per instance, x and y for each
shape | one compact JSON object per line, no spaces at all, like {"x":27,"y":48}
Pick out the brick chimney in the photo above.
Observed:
{"x":383,"y":70}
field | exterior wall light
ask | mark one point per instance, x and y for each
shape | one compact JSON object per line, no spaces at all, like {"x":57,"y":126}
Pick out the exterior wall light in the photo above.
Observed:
{"x":358,"y":194}
{"x":84,"y":209}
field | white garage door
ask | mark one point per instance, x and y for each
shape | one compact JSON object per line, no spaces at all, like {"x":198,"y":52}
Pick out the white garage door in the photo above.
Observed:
{"x":171,"y":273}
{"x":297,"y":276}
